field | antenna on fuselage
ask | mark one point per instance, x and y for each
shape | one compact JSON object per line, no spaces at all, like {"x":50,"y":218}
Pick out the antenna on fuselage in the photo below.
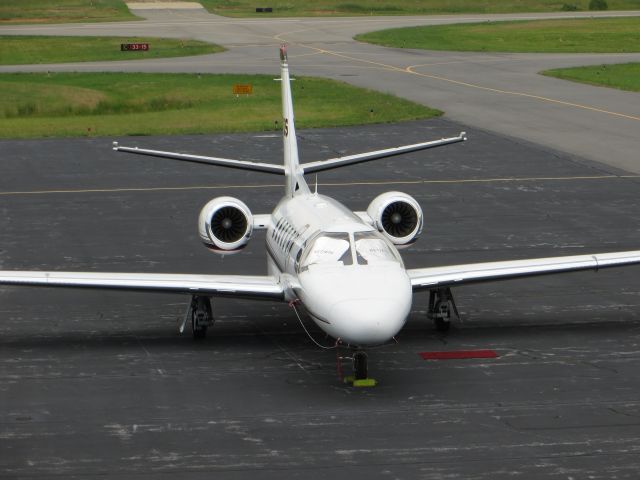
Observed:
{"x":316,"y":191}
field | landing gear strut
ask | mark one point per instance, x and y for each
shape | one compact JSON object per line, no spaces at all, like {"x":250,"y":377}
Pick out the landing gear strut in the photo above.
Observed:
{"x":442,"y":308}
{"x":200,"y":314}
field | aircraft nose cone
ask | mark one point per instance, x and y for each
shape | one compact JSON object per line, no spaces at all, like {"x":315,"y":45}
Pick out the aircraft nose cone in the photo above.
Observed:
{"x":370,"y":321}
{"x":360,"y":306}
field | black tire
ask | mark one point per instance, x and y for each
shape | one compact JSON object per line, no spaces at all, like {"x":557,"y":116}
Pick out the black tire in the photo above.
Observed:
{"x":198,"y":332}
{"x":360,"y":366}
{"x":441,"y":324}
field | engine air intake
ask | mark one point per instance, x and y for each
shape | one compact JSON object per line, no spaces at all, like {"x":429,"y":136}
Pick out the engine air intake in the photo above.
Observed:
{"x":225,"y":225}
{"x":399,"y":219}
{"x":397,"y":216}
{"x":229,"y":224}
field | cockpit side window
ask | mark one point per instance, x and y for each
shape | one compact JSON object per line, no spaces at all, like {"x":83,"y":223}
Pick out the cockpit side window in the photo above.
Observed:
{"x":328,"y":249}
{"x":371,"y":249}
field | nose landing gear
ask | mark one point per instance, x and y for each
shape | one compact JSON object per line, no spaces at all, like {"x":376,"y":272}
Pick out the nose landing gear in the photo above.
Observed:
{"x":360,"y":365}
{"x":360,"y":377}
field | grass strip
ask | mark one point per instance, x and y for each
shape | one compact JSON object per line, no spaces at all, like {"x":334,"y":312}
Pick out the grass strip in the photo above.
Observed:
{"x":115,"y":104}
{"x":292,"y":8}
{"x":22,"y":50}
{"x":585,"y":35}
{"x":63,"y":11}
{"x":624,"y":76}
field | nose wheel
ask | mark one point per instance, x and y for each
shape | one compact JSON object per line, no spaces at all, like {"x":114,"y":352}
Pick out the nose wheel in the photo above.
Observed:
{"x":360,"y":365}
{"x":360,"y":377}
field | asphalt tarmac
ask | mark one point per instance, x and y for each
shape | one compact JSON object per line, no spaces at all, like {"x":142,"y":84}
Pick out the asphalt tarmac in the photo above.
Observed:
{"x":99,"y":384}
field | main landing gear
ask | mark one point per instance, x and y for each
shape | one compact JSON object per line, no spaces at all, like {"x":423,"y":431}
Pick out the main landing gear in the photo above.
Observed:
{"x":442,"y":308}
{"x":200,"y":314}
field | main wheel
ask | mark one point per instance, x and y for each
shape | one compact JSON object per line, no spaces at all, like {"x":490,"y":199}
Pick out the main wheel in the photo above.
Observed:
{"x":442,"y":320}
{"x":199,"y":331}
{"x":360,"y":367}
{"x":442,"y":325}
{"x":201,"y":316}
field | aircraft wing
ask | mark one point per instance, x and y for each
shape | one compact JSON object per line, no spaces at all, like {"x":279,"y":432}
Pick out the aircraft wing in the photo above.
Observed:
{"x":187,"y":157}
{"x":264,"y":287}
{"x":454,"y":275}
{"x":331,"y":163}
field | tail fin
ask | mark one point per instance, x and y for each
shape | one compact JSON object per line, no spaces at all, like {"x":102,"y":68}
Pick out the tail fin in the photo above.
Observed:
{"x":293,"y":173}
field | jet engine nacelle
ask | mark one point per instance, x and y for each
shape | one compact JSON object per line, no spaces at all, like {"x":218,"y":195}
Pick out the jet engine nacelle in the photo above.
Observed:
{"x":225,"y":225}
{"x":398,"y":216}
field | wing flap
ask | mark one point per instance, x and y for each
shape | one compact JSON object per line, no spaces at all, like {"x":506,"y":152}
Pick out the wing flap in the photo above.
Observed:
{"x":215,"y":285}
{"x":449,"y":276}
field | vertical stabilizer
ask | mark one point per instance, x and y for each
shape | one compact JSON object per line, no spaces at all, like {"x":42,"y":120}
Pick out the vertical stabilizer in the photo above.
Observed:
{"x":293,"y":172}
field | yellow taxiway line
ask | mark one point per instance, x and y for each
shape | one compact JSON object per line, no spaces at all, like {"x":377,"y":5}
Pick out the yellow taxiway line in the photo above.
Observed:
{"x":323,"y":184}
{"x":410,"y":70}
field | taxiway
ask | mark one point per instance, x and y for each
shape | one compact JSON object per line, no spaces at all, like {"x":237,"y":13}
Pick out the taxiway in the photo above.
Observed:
{"x":99,"y":384}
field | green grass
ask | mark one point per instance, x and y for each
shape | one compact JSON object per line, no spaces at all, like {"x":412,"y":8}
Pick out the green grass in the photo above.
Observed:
{"x":597,"y":35}
{"x":20,"y":50}
{"x":288,"y":8}
{"x":625,"y":76}
{"x":63,"y":11}
{"x":114,"y":104}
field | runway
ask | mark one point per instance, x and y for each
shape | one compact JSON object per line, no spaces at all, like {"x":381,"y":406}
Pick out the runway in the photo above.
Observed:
{"x":99,"y":384}
{"x":495,"y":91}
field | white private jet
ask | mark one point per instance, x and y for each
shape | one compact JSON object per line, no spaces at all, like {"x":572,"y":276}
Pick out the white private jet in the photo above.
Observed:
{"x":342,"y":267}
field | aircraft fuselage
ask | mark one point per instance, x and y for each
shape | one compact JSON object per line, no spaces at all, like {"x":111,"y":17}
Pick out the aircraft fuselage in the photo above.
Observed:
{"x":349,"y":278}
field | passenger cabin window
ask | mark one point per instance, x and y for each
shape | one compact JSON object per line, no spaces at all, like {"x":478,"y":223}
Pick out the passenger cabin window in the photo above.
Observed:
{"x":328,"y":249}
{"x":371,"y":249}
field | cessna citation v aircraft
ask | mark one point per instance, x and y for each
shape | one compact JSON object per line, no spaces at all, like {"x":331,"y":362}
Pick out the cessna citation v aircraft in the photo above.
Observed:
{"x":342,"y":267}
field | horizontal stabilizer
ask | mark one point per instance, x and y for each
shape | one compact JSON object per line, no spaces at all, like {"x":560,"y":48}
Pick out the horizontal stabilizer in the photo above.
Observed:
{"x":331,"y":163}
{"x":186,"y":157}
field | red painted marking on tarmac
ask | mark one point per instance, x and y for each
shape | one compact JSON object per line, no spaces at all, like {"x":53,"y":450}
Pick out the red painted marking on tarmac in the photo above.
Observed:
{"x":458,"y":354}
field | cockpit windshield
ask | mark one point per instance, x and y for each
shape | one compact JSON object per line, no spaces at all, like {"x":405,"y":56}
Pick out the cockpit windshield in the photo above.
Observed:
{"x":371,"y":249}
{"x":336,"y":249}
{"x":328,"y":249}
